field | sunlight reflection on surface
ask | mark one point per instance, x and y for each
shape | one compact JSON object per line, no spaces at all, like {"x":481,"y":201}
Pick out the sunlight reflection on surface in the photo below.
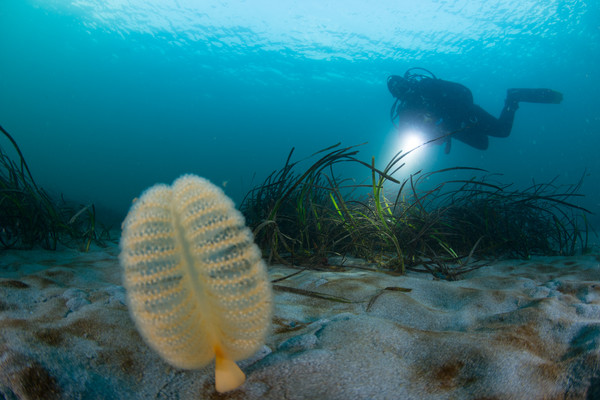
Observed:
{"x":321,"y":29}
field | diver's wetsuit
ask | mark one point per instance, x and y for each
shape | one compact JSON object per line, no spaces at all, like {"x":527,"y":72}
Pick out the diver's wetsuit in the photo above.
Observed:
{"x":438,"y":108}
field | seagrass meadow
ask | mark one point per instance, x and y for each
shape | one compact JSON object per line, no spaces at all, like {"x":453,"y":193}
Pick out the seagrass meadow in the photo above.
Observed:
{"x":304,"y":216}
{"x":306,"y":212}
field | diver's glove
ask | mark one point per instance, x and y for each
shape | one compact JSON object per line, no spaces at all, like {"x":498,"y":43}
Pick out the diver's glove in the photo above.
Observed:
{"x":448,"y":146}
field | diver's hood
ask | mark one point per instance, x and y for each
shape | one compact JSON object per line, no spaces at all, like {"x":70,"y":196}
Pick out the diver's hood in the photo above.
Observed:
{"x":397,"y":85}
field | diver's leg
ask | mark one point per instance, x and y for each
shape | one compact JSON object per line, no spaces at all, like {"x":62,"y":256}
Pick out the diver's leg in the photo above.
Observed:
{"x":474,"y":133}
{"x":511,"y":104}
{"x":472,"y":137}
{"x":487,"y":124}
{"x":507,"y":117}
{"x":477,"y":125}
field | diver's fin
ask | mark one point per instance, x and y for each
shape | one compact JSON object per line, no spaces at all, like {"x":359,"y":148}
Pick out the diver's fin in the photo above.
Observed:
{"x":546,"y":96}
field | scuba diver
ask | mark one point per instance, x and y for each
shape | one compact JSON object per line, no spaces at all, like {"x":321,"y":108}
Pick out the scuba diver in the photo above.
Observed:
{"x":443,"y":110}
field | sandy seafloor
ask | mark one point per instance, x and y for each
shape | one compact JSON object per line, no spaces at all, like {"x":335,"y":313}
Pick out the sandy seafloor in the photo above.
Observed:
{"x":511,"y":330}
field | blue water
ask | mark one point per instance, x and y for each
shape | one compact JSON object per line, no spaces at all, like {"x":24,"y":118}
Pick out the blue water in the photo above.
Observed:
{"x":107,"y":97}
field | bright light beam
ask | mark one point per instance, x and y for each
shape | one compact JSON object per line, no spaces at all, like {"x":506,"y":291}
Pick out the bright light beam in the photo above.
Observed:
{"x":411,"y":139}
{"x":408,"y":141}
